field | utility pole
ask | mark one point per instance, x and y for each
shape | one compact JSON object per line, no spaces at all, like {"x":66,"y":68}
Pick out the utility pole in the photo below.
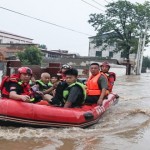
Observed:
{"x":137,"y":61}
{"x":141,"y":45}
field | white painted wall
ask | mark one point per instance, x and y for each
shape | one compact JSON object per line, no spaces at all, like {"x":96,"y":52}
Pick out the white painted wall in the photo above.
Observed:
{"x":6,"y":37}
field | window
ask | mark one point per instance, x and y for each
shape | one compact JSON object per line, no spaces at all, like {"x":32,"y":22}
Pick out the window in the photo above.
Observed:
{"x":99,"y":53}
{"x":122,"y":55}
{"x":10,"y":54}
{"x":110,"y":54}
{"x":1,"y":40}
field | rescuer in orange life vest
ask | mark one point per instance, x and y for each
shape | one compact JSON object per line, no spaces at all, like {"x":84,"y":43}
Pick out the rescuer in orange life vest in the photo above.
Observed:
{"x":17,"y":85}
{"x":110,"y":75}
{"x":97,"y":85}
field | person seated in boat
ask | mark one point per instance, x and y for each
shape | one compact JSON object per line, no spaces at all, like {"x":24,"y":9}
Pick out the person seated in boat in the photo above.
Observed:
{"x":32,"y":81}
{"x":44,"y":83}
{"x":44,"y":87}
{"x":74,"y":95}
{"x":55,"y":79}
{"x":110,"y":75}
{"x":17,"y":86}
{"x":57,"y":99}
{"x":61,"y":74}
{"x":97,"y":85}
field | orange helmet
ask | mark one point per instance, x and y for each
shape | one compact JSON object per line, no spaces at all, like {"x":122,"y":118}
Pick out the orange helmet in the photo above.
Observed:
{"x":105,"y":63}
{"x":25,"y":70}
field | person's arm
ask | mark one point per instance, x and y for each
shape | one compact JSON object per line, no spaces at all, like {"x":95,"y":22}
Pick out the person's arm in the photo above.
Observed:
{"x":68,"y":104}
{"x":100,"y":100}
{"x":73,"y":95}
{"x":49,"y":90}
{"x":15,"y":96}
{"x":103,"y":84}
{"x":52,"y":88}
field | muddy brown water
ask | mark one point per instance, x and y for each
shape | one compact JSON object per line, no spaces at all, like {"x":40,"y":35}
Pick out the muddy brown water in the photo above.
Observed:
{"x":125,"y":125}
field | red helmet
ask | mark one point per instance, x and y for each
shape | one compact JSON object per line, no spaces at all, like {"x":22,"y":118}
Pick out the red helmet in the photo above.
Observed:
{"x":105,"y":63}
{"x":25,"y":70}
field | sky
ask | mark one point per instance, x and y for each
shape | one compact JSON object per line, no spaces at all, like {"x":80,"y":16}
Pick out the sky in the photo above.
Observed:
{"x":73,"y":14}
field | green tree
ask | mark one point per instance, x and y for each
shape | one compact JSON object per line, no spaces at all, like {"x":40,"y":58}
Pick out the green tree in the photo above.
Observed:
{"x":146,"y":62}
{"x":30,"y":56}
{"x":43,"y":46}
{"x":121,"y":25}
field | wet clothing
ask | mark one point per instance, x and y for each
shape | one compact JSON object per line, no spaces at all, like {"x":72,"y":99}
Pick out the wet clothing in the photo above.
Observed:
{"x":75,"y":93}
{"x":18,"y":88}
{"x":13,"y":83}
{"x":99,"y":82}
{"x":96,"y":83}
{"x":111,"y":79}
{"x":43,"y":86}
{"x":58,"y":98}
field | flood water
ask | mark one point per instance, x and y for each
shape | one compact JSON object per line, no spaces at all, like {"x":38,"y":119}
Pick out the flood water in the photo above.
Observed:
{"x":125,"y":125}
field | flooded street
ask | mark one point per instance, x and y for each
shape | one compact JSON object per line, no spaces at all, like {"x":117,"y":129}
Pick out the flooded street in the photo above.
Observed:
{"x":125,"y":125}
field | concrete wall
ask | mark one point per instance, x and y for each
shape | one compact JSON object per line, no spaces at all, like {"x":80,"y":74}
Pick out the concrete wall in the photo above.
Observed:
{"x":6,"y":37}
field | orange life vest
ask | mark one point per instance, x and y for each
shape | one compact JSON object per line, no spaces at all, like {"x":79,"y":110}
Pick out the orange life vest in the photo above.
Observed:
{"x":92,"y":85}
{"x":14,"y":79}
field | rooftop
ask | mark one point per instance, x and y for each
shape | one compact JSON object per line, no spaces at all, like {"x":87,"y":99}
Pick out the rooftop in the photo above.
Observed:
{"x":14,"y":34}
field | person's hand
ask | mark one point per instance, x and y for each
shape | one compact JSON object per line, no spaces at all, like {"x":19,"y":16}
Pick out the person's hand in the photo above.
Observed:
{"x":55,"y":85}
{"x":25,"y":98}
{"x":100,"y":102}
{"x":39,"y":92}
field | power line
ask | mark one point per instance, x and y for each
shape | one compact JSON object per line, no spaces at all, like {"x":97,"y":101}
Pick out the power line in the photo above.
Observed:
{"x":106,"y":1}
{"x":63,"y":27}
{"x":98,"y":3}
{"x":92,"y":5}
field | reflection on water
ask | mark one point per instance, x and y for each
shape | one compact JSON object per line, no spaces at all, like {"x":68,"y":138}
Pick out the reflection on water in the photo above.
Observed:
{"x":124,"y":126}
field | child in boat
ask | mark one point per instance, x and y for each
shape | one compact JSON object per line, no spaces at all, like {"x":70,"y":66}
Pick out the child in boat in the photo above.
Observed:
{"x":55,"y":79}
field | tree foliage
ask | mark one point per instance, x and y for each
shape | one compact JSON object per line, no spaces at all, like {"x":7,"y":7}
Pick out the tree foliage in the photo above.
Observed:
{"x":146,"y":62}
{"x":30,"y":56}
{"x":121,"y":25}
{"x":43,"y":46}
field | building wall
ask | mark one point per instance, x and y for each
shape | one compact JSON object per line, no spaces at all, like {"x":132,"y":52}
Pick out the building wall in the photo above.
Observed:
{"x":94,"y":51}
{"x":6,"y":37}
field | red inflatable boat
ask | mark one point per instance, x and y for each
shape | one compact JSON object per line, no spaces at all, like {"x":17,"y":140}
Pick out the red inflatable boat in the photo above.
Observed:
{"x":17,"y":113}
